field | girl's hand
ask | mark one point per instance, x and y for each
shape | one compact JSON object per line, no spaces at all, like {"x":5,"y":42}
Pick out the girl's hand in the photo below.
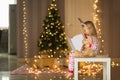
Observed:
{"x":85,"y":41}
{"x":88,"y":40}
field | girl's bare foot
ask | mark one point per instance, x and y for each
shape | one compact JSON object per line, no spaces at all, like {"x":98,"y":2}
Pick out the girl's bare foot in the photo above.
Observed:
{"x":67,"y":75}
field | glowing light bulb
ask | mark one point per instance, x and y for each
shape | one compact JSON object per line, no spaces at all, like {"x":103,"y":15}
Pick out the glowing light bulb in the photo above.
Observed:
{"x":102,"y":40}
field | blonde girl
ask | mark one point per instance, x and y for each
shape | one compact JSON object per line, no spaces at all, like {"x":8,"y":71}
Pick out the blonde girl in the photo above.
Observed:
{"x":89,"y":48}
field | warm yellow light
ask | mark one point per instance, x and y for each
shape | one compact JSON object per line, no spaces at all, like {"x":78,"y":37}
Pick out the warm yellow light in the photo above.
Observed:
{"x":102,"y":40}
{"x":35,"y":60}
{"x":113,"y":64}
{"x":51,"y":55}
{"x":95,"y":6}
{"x":50,"y":50}
{"x":96,"y":1}
{"x":101,"y":51}
{"x":97,"y":21}
{"x":39,"y":57}
{"x":67,"y":60}
{"x":48,"y":56}
{"x":25,"y":31}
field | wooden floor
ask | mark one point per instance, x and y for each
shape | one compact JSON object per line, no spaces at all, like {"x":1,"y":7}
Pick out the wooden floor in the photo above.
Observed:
{"x":9,"y":63}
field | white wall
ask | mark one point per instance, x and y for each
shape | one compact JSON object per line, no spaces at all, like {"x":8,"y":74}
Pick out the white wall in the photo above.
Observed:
{"x":75,"y":9}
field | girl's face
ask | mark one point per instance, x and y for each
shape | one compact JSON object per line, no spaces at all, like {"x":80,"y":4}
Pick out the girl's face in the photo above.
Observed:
{"x":87,"y":29}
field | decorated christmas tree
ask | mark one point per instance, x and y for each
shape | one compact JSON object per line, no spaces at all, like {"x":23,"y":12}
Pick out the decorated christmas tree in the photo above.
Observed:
{"x":52,"y":40}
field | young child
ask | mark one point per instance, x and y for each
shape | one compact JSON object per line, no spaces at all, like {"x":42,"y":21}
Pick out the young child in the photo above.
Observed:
{"x":89,"y":48}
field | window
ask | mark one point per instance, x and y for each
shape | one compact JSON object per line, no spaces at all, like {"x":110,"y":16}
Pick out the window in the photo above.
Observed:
{"x":4,"y":13}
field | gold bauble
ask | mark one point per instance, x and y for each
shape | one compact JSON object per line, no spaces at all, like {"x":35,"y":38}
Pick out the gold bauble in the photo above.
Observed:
{"x":49,"y":44}
{"x":62,"y":26}
{"x":51,"y":26}
{"x":50,"y":50}
{"x":57,"y":48}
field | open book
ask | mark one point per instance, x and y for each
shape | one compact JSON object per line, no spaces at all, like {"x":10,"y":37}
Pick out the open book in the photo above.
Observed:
{"x":76,"y":42}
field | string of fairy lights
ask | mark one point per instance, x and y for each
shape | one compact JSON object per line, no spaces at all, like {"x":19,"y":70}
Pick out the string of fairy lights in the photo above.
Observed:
{"x":98,"y":23}
{"x":25,"y":33}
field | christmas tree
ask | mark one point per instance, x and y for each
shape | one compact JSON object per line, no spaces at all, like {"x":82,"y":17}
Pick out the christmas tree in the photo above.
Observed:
{"x":53,"y":40}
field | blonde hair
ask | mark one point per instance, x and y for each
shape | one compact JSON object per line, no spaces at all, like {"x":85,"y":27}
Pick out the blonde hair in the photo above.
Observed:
{"x":94,"y":33}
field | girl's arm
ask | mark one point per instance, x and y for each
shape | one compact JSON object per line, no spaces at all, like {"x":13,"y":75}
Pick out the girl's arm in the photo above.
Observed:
{"x":91,"y":42}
